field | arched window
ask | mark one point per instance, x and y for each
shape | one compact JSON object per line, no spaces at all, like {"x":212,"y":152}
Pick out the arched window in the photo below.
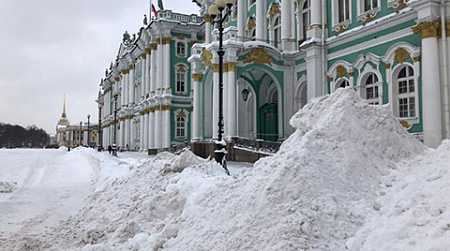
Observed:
{"x":181,"y":127}
{"x":343,"y":10}
{"x":180,"y":80}
{"x":370,"y":91}
{"x":405,"y":92}
{"x":342,"y":83}
{"x":305,"y":19}
{"x":276,"y":31}
{"x":181,"y":49}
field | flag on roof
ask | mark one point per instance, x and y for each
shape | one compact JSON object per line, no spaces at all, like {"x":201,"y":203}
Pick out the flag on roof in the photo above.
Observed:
{"x":154,"y":10}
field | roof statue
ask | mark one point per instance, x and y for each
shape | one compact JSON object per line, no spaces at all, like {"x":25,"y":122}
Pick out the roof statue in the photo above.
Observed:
{"x":106,"y":72}
{"x":160,"y":5}
{"x":126,"y":38}
{"x":145,"y":20}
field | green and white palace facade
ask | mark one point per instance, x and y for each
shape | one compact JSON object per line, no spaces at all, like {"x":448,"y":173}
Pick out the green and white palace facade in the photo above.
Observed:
{"x":278,"y":55}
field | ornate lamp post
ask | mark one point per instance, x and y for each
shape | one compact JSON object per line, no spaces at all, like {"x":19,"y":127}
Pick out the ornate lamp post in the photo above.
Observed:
{"x":217,"y":13}
{"x":88,"y":133}
{"x":114,"y":146}
{"x":81,"y":131}
{"x":100,"y":132}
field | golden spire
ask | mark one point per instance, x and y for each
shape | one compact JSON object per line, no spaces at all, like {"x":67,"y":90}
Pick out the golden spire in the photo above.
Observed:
{"x":63,"y":116}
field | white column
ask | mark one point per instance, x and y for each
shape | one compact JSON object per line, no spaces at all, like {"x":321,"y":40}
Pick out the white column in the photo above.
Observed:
{"x":143,"y":76}
{"x":208,"y":21}
{"x":287,"y":42}
{"x":151,"y":130}
{"x":131,"y":86}
{"x":167,"y":127}
{"x":316,"y":19}
{"x":141,"y":131}
{"x":196,"y":123}
{"x":167,"y":63}
{"x":144,"y":138}
{"x":261,"y":20}
{"x":215,"y":111}
{"x":241,"y":20}
{"x":431,"y":94}
{"x":232,"y":100}
{"x":153,"y":74}
{"x":314,"y":77}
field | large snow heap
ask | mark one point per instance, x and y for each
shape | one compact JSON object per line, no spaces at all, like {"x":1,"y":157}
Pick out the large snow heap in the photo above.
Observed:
{"x":315,"y":193}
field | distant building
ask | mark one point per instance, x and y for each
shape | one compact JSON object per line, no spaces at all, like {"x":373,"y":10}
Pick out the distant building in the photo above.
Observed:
{"x":76,"y":134}
{"x":278,"y":55}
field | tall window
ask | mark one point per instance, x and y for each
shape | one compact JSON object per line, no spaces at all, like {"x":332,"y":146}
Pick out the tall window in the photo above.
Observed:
{"x":371,"y":88}
{"x":181,"y":49}
{"x":406,"y":100}
{"x":181,"y":85}
{"x":370,"y":4}
{"x":305,"y":18}
{"x":276,"y":31}
{"x":343,"y":10}
{"x":181,"y":127}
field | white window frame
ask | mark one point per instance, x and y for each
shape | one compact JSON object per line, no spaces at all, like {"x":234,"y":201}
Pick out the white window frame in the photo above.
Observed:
{"x":303,"y":29}
{"x":363,"y":14}
{"x":181,"y":113}
{"x":275,"y":31}
{"x":336,"y":24}
{"x":407,"y":95}
{"x":377,"y":87}
{"x":178,"y":48}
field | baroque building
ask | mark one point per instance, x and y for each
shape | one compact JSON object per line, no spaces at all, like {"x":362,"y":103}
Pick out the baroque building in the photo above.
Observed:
{"x":162,"y":89}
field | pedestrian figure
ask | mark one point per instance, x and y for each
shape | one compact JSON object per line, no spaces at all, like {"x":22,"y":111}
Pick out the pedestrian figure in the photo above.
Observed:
{"x":109,"y":149}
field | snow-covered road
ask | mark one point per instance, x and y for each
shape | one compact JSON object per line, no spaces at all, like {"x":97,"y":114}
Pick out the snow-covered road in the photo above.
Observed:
{"x":49,"y":186}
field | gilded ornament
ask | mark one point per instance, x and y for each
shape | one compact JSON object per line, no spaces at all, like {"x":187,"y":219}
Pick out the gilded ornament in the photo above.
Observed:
{"x":401,"y":55}
{"x":447,"y":29}
{"x":215,"y":67}
{"x":181,"y":114}
{"x":143,"y":56}
{"x":416,"y":59}
{"x":387,"y":66}
{"x":117,"y":78}
{"x":225,"y":67}
{"x":232,"y":66}
{"x":153,"y":47}
{"x":207,"y":57}
{"x":315,"y":26}
{"x":427,"y":29}
{"x":181,"y":37}
{"x":148,"y":51}
{"x":251,"y":24}
{"x":167,"y":40}
{"x":351,"y":74}
{"x":191,"y":109}
{"x":125,"y":71}
{"x":158,"y":40}
{"x":341,"y":71}
{"x":197,"y":77}
{"x":341,"y":28}
{"x":207,"y":18}
{"x":258,"y":56}
{"x":405,"y":124}
{"x":181,"y":68}
{"x":330,"y":79}
{"x":274,"y":9}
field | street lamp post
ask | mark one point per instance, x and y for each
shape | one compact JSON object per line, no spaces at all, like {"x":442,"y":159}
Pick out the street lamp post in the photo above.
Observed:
{"x":216,"y":11}
{"x":100,"y":133}
{"x":88,"y":132}
{"x":81,"y":131}
{"x":114,"y":146}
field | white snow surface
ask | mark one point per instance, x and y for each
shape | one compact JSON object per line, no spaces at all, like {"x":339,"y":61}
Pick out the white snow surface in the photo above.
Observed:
{"x":350,"y":177}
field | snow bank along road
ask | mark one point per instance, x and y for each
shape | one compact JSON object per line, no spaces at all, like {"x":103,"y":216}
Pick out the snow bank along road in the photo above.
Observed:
{"x":38,"y":188}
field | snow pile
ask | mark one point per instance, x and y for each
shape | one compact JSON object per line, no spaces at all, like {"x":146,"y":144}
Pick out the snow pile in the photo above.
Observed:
{"x":315,"y":193}
{"x":414,"y":211}
{"x":7,"y":187}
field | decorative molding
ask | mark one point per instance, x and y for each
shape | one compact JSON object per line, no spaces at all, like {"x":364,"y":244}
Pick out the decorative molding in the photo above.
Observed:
{"x":181,"y":114}
{"x":397,"y":4}
{"x":232,"y":66}
{"x":401,"y":55}
{"x":181,"y":37}
{"x":405,"y":124}
{"x":158,"y":40}
{"x":215,"y":67}
{"x":251,"y":24}
{"x":197,"y":77}
{"x":125,"y":71}
{"x":192,"y":42}
{"x":351,"y":74}
{"x":330,"y":79}
{"x":207,"y":57}
{"x":143,"y":55}
{"x":167,"y":40}
{"x":387,"y":66}
{"x":191,"y":108}
{"x":416,"y":59}
{"x":181,"y":69}
{"x":341,"y":71}
{"x":427,"y":29}
{"x":153,"y":46}
{"x":274,"y":9}
{"x":117,"y":78}
{"x":315,"y":26}
{"x":258,"y":56}
{"x":207,"y":18}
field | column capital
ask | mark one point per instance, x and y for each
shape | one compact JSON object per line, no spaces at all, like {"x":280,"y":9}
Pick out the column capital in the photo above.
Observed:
{"x":153,"y":46}
{"x":215,"y":67}
{"x":197,"y":77}
{"x":207,"y":18}
{"x":427,"y":29}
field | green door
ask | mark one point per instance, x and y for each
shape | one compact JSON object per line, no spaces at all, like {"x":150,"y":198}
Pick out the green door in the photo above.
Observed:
{"x":268,"y":118}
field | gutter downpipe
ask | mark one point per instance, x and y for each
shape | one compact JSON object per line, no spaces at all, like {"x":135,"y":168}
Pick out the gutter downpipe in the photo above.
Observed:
{"x":324,"y":79}
{"x":444,"y":71}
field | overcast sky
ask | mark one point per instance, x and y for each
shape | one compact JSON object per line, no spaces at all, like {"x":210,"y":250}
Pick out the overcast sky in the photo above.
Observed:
{"x":49,"y":48}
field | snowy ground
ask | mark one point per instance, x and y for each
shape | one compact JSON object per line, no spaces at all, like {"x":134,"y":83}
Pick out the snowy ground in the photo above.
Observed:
{"x":349,"y":178}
